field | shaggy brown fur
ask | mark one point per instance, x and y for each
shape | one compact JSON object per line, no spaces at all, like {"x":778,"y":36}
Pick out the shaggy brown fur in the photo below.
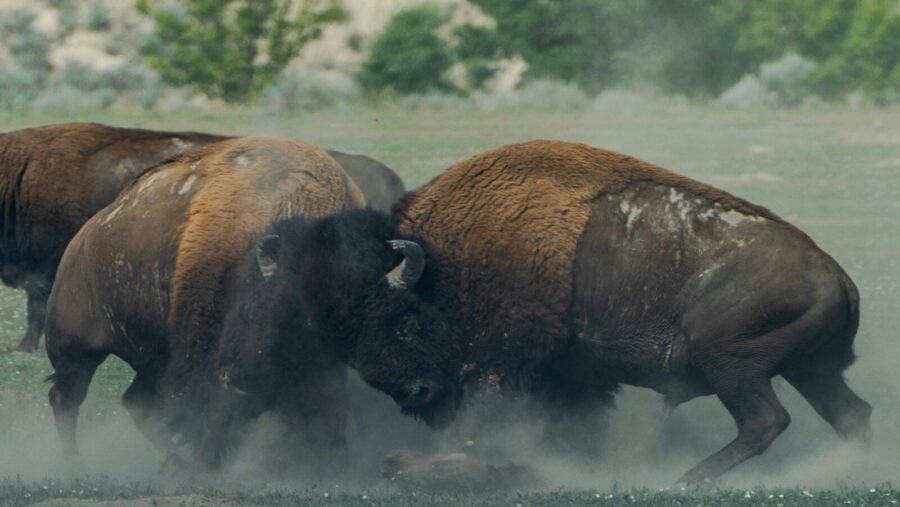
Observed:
{"x":52,"y":180}
{"x":570,"y":269}
{"x":508,"y":221}
{"x":243,"y":199}
{"x":152,"y":277}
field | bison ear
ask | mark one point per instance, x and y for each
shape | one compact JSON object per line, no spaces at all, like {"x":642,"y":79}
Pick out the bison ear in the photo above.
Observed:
{"x":266,"y":255}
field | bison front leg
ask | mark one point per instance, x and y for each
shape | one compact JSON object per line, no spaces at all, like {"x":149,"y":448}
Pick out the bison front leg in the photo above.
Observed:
{"x":223,"y":426}
{"x":315,"y":414}
{"x":142,"y":401}
{"x":759,"y":416}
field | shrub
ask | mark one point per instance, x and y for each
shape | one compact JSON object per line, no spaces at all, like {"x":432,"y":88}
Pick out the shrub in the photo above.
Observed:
{"x":436,"y":101}
{"x":749,"y":92}
{"x":67,"y":14}
{"x":542,"y":94}
{"x":232,"y":49}
{"x":408,"y":56}
{"x":16,"y":21}
{"x":631,"y":100}
{"x":31,"y":50}
{"x":554,"y":95}
{"x":148,"y":96}
{"x":567,"y":40}
{"x":97,"y":17}
{"x":68,"y":99}
{"x":477,"y":48}
{"x":18,"y":87}
{"x":306,"y":91}
{"x":122,"y":78}
{"x":788,"y":78}
{"x":783,"y":82}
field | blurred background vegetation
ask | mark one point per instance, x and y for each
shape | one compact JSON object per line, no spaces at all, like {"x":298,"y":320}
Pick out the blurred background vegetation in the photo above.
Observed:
{"x":294,"y":55}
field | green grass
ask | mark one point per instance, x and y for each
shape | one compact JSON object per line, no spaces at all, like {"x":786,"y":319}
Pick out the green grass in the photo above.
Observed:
{"x":835,"y":174}
{"x":96,"y":492}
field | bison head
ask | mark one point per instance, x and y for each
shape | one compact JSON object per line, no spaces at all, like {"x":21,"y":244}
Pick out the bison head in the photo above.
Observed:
{"x":366,"y":292}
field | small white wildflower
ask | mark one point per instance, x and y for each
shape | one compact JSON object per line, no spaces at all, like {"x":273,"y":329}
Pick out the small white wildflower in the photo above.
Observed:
{"x":807,"y":493}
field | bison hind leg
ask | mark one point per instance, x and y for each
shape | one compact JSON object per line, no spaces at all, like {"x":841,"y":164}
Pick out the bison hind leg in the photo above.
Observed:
{"x":70,"y":386}
{"x":833,"y":399}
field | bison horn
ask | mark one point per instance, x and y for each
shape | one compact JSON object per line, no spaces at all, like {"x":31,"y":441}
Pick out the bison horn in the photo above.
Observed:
{"x":408,"y":272}
{"x":265,"y":255}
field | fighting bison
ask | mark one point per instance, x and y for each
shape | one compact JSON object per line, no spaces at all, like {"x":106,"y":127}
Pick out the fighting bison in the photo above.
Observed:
{"x":566,"y":270}
{"x":233,"y":280}
{"x":54,"y":178}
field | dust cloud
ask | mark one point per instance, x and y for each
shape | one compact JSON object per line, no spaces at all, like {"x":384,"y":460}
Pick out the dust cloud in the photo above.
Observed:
{"x":632,"y":444}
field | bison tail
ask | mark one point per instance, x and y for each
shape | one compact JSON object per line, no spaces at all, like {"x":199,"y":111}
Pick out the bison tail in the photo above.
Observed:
{"x":845,"y":356}
{"x":52,"y":377}
{"x":852,"y":295}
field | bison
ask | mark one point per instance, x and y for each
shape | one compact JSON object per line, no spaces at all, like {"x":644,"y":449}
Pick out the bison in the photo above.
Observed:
{"x":54,"y":178}
{"x":379,"y":184}
{"x":207,"y":275}
{"x":565,"y":270}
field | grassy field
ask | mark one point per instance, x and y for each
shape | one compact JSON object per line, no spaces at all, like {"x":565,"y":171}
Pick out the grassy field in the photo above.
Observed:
{"x":835,"y":174}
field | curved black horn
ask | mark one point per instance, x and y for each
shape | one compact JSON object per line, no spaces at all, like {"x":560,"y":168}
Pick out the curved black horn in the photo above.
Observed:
{"x":407,"y":273}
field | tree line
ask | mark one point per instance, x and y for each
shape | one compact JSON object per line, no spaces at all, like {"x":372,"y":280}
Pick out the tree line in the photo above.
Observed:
{"x":232,"y":49}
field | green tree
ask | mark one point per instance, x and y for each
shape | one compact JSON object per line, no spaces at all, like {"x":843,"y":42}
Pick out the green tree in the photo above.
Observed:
{"x":232,"y":48}
{"x":572,"y":40}
{"x":408,"y":56}
{"x":701,"y":47}
{"x":477,"y":48}
{"x":856,"y":43}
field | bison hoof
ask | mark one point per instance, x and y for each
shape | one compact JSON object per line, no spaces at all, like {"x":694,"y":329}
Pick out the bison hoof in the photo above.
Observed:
{"x":175,"y":466}
{"x":691,"y":479}
{"x":27,"y":345}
